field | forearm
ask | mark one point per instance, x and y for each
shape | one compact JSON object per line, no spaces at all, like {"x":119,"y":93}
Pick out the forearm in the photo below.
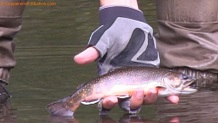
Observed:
{"x":130,"y":3}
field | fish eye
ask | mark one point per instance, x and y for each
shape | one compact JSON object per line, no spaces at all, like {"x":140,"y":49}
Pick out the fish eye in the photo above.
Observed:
{"x":184,"y":76}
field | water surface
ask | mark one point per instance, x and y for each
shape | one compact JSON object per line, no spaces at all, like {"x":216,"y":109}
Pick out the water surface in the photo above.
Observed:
{"x":45,"y":72}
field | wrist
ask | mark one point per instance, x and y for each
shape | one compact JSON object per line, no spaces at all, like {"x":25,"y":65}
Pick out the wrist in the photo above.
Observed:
{"x":111,"y":13}
{"x":128,"y":3}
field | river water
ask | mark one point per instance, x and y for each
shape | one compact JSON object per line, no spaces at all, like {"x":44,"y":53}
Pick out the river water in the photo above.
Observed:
{"x":45,"y":72}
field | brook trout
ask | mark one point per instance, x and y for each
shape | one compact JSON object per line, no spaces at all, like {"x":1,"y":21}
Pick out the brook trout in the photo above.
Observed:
{"x":121,"y":83}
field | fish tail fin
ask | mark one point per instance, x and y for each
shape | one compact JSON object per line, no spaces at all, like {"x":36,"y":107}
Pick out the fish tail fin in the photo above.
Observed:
{"x":60,"y":108}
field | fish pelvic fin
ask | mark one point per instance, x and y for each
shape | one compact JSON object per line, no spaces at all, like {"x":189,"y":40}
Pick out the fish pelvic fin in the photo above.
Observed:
{"x":61,"y":108}
{"x":90,"y":102}
{"x":123,"y":96}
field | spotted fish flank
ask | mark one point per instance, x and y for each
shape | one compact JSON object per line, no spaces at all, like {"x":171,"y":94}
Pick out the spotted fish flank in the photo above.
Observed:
{"x":121,"y":83}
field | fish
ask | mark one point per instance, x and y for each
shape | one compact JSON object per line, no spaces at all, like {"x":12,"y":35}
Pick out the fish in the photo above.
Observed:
{"x":121,"y":83}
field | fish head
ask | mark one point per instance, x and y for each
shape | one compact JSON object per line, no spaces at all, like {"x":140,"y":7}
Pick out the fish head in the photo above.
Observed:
{"x":177,"y":83}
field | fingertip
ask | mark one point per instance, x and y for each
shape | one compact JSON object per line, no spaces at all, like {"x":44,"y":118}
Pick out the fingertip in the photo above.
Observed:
{"x":78,"y":59}
{"x":139,"y":95}
{"x":87,"y":56}
{"x":151,"y":96}
{"x":109,"y":102}
{"x":174,"y":120}
{"x":81,"y":58}
{"x":173,"y":99}
{"x":153,"y":91}
{"x":137,"y":99}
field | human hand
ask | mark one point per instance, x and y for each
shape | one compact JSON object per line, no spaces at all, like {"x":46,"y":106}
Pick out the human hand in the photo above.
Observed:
{"x":137,"y":99}
{"x":123,"y":39}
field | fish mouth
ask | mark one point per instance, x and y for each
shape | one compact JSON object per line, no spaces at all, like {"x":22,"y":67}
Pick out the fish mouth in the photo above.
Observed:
{"x":188,"y":86}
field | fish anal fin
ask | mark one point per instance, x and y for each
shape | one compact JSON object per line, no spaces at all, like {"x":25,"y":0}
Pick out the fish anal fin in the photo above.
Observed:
{"x":90,"y":102}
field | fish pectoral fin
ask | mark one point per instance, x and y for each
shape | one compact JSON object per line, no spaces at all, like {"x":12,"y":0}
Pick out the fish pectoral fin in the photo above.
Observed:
{"x":160,"y":88}
{"x":90,"y":102}
{"x":123,"y":96}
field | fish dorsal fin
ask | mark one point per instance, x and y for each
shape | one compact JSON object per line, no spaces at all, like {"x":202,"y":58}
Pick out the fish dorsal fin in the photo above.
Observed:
{"x":115,"y":68}
{"x":90,"y":102}
{"x":81,"y":85}
{"x":123,"y":96}
{"x":111,"y":70}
